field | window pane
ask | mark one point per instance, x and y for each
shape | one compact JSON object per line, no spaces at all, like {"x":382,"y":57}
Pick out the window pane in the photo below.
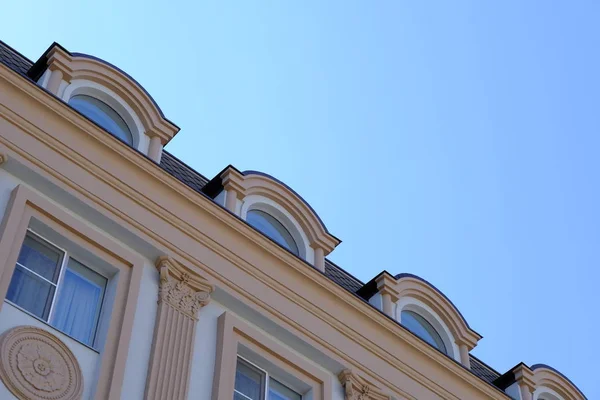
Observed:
{"x":248,"y":382}
{"x":40,"y":257}
{"x":79,"y":302}
{"x":103,"y":115}
{"x":30,"y":292}
{"x":278,"y":391}
{"x":420,"y":327}
{"x":272,"y":228}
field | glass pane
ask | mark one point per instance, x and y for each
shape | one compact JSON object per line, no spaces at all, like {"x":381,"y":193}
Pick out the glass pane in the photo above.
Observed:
{"x":79,"y":302}
{"x":40,"y":257}
{"x":272,"y":228}
{"x":248,"y":382}
{"x":103,"y":115}
{"x":420,"y":327}
{"x":278,"y":391}
{"x":30,"y":292}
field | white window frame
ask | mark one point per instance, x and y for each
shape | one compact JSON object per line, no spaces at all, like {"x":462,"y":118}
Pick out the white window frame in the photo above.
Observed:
{"x":266,"y":382}
{"x":57,"y":287}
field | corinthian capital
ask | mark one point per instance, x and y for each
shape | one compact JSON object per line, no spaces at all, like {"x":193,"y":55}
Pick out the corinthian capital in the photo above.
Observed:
{"x":357,"y":388}
{"x":181,"y":288}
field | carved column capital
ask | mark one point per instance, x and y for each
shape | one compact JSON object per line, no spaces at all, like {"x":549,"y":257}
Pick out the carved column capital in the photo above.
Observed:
{"x":357,"y":388}
{"x":181,"y":294}
{"x":180,"y":289}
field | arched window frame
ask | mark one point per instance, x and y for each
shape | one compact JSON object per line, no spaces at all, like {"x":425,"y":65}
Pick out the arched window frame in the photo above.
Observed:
{"x":553,"y":385}
{"x":242,"y":190}
{"x":266,"y":205}
{"x":544,"y":393}
{"x":58,"y":69}
{"x":92,"y":89}
{"x":422,"y":309}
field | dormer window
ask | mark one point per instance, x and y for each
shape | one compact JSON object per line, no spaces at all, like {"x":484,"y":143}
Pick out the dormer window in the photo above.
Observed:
{"x":103,"y":115}
{"x":273,"y":229}
{"x":423,"y":329}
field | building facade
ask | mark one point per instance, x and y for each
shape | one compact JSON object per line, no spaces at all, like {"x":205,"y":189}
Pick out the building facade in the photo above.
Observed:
{"x":125,"y":274}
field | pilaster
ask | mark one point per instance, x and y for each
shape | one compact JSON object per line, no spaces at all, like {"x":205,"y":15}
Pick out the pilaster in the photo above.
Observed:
{"x":524,"y":378}
{"x":386,"y":286}
{"x":181,"y":294}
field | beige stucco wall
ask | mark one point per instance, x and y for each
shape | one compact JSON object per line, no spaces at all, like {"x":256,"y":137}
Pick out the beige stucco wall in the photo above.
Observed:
{"x":118,"y":193}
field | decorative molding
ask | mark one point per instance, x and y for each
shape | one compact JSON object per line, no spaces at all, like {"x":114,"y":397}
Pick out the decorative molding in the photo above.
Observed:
{"x":357,"y":388}
{"x":181,"y":294}
{"x":36,"y":365}
{"x":546,"y":377}
{"x":13,"y":86}
{"x":244,"y":184}
{"x":25,"y":205}
{"x":3,"y":158}
{"x":412,"y":286}
{"x":180,"y":290}
{"x":69,"y":66}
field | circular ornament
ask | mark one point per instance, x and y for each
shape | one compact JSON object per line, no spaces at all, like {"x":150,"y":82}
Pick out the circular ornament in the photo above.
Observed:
{"x":36,"y":365}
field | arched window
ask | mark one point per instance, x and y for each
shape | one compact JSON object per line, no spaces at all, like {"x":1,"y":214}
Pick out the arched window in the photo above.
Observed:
{"x":103,"y":115}
{"x":272,"y":228}
{"x":423,"y":329}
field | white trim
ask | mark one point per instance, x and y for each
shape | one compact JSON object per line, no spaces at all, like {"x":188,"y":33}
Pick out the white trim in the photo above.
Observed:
{"x":417,"y":306}
{"x":258,"y":202}
{"x":267,"y":379}
{"x":141,"y":141}
{"x":548,"y":394}
{"x":43,"y":81}
{"x":65,"y":257}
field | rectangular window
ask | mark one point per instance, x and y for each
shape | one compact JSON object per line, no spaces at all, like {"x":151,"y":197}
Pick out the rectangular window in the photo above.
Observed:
{"x":253,"y":383}
{"x":58,"y":289}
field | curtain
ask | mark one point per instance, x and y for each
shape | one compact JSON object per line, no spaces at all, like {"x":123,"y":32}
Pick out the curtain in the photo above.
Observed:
{"x":30,"y":292}
{"x":248,"y":382}
{"x":77,"y":308}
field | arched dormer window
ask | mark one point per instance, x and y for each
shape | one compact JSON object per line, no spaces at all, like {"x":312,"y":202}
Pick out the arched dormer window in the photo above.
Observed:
{"x":115,"y":100}
{"x":274,"y":229}
{"x":422,"y":309}
{"x":275,"y":210}
{"x":102,"y":114}
{"x":423,"y":329}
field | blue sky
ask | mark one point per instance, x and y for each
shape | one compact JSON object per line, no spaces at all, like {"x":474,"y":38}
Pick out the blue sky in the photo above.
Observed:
{"x":454,"y":140}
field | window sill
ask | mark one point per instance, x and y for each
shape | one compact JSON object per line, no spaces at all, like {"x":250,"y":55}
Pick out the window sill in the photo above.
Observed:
{"x":50,"y":326}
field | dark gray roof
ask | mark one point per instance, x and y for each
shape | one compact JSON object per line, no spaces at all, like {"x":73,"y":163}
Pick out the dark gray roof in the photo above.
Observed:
{"x":482,"y":370}
{"x":14,"y":60}
{"x":341,"y":277}
{"x":179,"y":170}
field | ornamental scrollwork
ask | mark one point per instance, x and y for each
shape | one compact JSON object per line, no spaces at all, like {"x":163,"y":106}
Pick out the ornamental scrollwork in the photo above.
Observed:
{"x":179,"y":290}
{"x":36,"y":365}
{"x":357,"y":388}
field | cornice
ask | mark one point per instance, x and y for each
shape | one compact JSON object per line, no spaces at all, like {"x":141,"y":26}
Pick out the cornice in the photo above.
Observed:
{"x":208,"y":206}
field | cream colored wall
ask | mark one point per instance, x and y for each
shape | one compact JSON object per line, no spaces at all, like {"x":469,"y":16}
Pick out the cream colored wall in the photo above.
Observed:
{"x":203,"y":363}
{"x":138,"y":356}
{"x":11,"y":316}
{"x":136,"y":369}
{"x":143,"y":325}
{"x":120,"y":192}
